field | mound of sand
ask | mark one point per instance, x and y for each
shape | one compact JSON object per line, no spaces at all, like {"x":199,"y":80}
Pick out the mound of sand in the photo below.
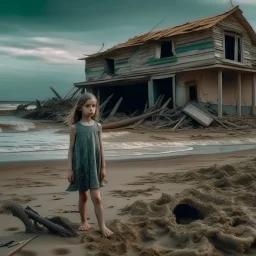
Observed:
{"x":134,"y":192}
{"x":215,"y":217}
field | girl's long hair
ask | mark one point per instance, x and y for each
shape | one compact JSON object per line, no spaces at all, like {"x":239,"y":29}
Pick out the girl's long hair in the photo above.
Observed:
{"x":75,"y":114}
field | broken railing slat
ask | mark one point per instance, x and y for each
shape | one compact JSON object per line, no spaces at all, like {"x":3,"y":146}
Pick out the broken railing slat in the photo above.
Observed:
{"x":103,"y":104}
{"x":55,"y":92}
{"x":179,"y":123}
{"x":112,"y":113}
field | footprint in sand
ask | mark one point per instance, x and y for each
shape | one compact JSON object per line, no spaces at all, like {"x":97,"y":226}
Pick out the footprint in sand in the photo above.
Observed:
{"x":61,"y":251}
{"x":26,"y":253}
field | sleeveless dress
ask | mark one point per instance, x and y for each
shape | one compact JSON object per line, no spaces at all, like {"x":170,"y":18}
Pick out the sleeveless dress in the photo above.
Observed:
{"x":86,"y":161}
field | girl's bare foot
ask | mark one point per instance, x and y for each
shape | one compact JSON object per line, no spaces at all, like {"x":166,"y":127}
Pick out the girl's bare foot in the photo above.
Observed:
{"x":106,"y":232}
{"x":85,"y":226}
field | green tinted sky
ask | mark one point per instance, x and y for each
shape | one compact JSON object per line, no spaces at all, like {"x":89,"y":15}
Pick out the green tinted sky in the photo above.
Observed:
{"x":40,"y":40}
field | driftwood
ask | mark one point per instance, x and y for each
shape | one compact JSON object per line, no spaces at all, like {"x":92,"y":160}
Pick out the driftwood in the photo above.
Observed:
{"x":35,"y":223}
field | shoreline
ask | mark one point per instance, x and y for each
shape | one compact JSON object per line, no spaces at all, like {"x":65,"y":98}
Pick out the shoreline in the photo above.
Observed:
{"x":36,"y":163}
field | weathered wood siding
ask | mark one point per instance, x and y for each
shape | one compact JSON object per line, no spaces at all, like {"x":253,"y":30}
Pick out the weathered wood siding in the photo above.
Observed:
{"x":254,"y":56}
{"x":191,"y":50}
{"x":231,"y":24}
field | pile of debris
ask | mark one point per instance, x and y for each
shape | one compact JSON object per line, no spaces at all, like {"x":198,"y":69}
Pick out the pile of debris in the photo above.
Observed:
{"x":193,"y":115}
{"x":160,"y":116}
{"x":55,"y":109}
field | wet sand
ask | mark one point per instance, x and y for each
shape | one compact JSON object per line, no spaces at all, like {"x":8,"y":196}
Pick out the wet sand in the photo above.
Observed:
{"x":139,"y":200}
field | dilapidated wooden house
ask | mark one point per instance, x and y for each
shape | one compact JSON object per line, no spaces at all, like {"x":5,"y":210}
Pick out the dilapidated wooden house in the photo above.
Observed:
{"x":212,"y":60}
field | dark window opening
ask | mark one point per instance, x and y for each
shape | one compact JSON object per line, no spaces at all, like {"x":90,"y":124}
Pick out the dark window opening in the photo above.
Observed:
{"x":163,"y":87}
{"x":192,"y":93}
{"x":233,"y":48}
{"x":166,"y":49}
{"x":230,"y":47}
{"x":110,"y":66}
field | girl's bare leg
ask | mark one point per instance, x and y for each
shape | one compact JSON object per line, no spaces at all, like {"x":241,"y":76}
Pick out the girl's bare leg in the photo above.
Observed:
{"x":83,"y":198}
{"x":98,"y":208}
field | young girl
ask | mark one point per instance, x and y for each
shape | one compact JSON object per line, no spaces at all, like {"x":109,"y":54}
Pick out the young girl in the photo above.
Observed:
{"x":86,"y":162}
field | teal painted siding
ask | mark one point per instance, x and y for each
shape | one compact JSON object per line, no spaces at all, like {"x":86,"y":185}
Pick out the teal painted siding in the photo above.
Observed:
{"x":196,"y":46}
{"x":121,"y":61}
{"x":154,"y":61}
{"x":89,"y":71}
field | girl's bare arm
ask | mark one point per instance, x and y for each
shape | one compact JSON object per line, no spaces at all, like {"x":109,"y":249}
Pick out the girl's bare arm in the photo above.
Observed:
{"x":71,"y":145}
{"x":103,"y":164}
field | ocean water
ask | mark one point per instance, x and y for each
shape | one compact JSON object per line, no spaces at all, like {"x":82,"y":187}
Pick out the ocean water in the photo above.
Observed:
{"x":22,"y":139}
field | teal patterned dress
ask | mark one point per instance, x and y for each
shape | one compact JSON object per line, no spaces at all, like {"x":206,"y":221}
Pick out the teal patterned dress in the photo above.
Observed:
{"x":86,"y":161}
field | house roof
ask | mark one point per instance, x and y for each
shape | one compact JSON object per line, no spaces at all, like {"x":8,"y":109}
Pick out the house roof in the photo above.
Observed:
{"x":186,"y":28}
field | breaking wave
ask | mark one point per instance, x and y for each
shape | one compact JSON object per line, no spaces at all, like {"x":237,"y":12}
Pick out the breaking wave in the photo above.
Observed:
{"x":9,"y":126}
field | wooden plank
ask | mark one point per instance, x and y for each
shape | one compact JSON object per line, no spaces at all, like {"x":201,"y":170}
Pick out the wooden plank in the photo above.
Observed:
{"x":179,"y":123}
{"x":103,"y":104}
{"x":112,"y":113}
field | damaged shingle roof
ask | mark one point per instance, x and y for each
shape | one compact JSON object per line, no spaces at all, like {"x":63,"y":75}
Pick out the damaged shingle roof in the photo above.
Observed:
{"x":186,"y":28}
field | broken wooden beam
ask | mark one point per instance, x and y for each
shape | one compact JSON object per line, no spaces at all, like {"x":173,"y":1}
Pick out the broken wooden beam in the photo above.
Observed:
{"x":127,"y":121}
{"x":55,"y":92}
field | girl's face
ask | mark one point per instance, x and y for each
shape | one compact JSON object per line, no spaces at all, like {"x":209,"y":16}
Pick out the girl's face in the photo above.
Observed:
{"x":89,"y":108}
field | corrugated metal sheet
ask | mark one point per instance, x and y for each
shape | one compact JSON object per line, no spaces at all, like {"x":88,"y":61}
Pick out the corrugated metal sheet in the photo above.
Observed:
{"x":186,"y":28}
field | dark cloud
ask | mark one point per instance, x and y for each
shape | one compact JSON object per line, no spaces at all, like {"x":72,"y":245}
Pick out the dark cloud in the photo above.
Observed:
{"x":80,"y":26}
{"x":92,"y":15}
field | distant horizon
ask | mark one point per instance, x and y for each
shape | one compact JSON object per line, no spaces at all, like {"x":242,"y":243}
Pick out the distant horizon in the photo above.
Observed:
{"x":40,"y":46}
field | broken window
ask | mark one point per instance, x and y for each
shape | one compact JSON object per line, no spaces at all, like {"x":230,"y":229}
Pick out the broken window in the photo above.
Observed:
{"x":110,"y":66}
{"x":165,"y":50}
{"x":233,"y":47}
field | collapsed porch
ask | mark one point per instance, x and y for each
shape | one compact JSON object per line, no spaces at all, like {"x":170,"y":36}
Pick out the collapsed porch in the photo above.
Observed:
{"x":229,"y":90}
{"x":132,"y":95}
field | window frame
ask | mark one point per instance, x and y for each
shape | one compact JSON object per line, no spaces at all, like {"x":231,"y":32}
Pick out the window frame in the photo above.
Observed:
{"x":158,"y":49}
{"x":236,"y":36}
{"x":106,"y":67}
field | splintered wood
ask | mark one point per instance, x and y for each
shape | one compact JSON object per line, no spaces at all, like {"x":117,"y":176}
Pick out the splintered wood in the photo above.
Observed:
{"x":160,"y":116}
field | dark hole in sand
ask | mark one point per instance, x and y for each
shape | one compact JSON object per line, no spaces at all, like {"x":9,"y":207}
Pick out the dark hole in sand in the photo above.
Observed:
{"x":186,"y":214}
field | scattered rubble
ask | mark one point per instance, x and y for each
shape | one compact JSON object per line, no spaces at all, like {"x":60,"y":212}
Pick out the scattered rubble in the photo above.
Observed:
{"x":193,"y":115}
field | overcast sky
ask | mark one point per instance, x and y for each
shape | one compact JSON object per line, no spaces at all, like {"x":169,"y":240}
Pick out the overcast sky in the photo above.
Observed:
{"x":41,"y":40}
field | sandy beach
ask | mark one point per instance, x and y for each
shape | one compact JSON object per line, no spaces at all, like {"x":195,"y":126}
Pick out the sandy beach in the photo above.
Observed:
{"x":139,"y":200}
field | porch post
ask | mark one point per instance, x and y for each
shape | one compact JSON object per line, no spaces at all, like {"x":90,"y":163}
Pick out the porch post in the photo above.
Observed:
{"x":151,"y":99}
{"x":220,"y":93}
{"x":239,"y":94}
{"x":253,"y":94}
{"x":174,"y":92}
